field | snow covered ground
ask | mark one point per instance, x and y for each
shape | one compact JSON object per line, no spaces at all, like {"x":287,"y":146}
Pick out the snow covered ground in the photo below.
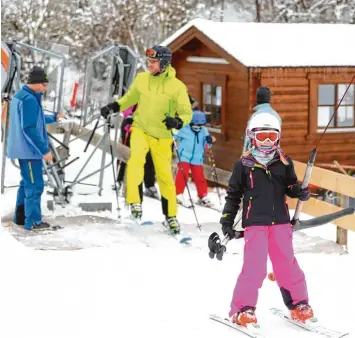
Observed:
{"x":131,"y":281}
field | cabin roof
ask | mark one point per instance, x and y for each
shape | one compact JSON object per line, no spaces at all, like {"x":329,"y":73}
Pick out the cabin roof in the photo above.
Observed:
{"x":279,"y":44}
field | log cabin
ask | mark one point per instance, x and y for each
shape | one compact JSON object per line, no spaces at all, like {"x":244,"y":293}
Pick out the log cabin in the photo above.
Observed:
{"x":308,"y":68}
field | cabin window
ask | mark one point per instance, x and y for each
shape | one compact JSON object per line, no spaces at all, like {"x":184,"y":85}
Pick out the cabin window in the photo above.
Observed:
{"x":329,"y":96}
{"x":212,"y":105}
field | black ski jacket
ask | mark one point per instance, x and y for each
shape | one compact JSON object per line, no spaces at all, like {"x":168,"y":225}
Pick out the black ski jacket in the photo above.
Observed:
{"x":264,"y":190}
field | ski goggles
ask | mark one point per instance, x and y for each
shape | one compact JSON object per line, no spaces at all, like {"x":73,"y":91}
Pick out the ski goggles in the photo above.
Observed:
{"x":150,"y":53}
{"x":263,"y":135}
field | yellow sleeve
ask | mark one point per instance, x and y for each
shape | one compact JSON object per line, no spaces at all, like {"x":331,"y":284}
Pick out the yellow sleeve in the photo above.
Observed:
{"x":131,"y":97}
{"x":183,"y":106}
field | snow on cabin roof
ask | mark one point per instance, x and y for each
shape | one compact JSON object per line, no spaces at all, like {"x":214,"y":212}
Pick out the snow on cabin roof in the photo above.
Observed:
{"x":280,"y":44}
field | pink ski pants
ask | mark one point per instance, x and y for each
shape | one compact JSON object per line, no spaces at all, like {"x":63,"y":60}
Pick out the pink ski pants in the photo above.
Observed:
{"x":275,"y":240}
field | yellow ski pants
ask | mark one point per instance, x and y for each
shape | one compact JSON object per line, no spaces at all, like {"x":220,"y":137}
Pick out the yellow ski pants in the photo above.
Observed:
{"x":161,"y":152}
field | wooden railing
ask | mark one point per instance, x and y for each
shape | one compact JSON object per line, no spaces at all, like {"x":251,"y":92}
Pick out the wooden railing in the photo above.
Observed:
{"x":341,"y":184}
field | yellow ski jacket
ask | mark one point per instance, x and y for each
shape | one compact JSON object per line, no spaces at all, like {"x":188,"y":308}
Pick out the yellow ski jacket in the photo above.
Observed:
{"x":157,"y":97}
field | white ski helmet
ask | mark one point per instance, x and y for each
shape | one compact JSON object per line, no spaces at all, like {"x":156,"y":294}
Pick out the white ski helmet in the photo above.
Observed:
{"x":264,"y":120}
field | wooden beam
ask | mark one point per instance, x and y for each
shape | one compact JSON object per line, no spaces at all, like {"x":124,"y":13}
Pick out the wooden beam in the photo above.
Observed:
{"x":326,"y":179}
{"x":315,"y":208}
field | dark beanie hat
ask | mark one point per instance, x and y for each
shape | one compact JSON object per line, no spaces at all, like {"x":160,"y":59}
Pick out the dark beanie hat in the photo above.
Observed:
{"x":37,"y":75}
{"x":263,"y":95}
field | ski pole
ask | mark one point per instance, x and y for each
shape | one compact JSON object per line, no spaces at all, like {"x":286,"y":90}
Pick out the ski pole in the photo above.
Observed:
{"x":113,"y":164}
{"x":214,"y":172}
{"x":185,"y":179}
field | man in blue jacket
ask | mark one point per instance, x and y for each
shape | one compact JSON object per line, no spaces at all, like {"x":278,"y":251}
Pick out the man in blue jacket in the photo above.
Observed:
{"x":28,"y":142}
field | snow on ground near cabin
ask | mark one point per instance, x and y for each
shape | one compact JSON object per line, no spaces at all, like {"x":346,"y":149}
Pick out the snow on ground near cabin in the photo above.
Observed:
{"x":131,"y":281}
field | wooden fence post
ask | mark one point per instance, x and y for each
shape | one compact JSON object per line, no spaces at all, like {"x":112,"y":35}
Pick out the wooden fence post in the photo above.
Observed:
{"x":342,"y":234}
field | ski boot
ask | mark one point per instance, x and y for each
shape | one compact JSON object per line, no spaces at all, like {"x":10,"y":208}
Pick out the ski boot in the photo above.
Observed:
{"x":136,"y":211}
{"x":302,"y":312}
{"x":151,"y":192}
{"x":180,"y":200}
{"x":40,"y":226}
{"x":205,"y":201}
{"x":173,"y":224}
{"x":245,"y":317}
{"x":19,"y":218}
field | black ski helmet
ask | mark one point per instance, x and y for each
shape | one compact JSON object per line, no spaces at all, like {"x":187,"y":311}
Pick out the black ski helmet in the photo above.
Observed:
{"x":162,"y":53}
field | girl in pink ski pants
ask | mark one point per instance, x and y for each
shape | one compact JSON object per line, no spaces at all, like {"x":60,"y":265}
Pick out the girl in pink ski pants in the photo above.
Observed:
{"x":275,"y":241}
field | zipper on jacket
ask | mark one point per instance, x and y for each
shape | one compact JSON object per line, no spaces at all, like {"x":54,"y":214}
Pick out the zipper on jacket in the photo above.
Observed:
{"x":251,"y":180}
{"x":268,"y":173}
{"x":249,"y":208}
{"x":286,"y":207}
{"x":193,"y":149}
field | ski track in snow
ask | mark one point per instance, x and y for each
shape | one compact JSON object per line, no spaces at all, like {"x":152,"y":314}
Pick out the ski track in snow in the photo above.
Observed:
{"x":131,"y":281}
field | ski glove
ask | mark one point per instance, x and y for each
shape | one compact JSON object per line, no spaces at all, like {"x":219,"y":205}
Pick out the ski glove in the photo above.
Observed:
{"x":231,"y":233}
{"x":105,"y":111}
{"x":209,"y":139}
{"x":173,"y":122}
{"x":296,"y":190}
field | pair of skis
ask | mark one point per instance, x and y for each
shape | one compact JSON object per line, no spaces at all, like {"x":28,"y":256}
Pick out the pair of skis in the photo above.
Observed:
{"x":255,"y":331}
{"x":39,"y":232}
{"x":186,"y":240}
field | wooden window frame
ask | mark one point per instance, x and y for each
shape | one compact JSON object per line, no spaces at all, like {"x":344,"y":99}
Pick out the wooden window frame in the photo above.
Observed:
{"x":314,"y":81}
{"x":217,"y":80}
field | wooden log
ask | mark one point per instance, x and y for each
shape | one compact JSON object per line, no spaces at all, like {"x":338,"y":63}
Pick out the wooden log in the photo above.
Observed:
{"x":333,"y":166}
{"x":342,"y":234}
{"x":326,"y":179}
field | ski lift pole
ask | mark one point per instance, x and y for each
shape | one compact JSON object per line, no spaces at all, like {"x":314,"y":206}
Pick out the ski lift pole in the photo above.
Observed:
{"x":312,"y":158}
{"x":214,"y":172}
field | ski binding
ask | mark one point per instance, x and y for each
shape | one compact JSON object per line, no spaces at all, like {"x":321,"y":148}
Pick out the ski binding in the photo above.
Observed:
{"x":310,"y":325}
{"x":252,"y":331}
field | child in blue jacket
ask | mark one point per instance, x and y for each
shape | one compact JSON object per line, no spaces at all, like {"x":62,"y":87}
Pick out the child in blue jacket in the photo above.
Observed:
{"x":28,"y":142}
{"x":193,"y":139}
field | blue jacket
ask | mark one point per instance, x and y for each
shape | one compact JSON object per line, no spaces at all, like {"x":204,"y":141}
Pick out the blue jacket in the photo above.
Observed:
{"x":192,"y":145}
{"x":28,"y":137}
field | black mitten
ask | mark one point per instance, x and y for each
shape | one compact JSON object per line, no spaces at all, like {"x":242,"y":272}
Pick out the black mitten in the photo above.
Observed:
{"x":105,"y":111}
{"x":209,"y":139}
{"x":231,"y":233}
{"x":297,"y":191}
{"x":173,"y":122}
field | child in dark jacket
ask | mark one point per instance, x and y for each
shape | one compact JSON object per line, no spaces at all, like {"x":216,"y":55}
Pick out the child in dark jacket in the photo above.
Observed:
{"x":263,"y":177}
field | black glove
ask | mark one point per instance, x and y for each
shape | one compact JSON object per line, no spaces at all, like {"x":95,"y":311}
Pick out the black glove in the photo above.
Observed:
{"x":297,"y":191}
{"x":114,"y":106}
{"x":231,"y":233}
{"x":209,"y":139}
{"x":173,"y":122}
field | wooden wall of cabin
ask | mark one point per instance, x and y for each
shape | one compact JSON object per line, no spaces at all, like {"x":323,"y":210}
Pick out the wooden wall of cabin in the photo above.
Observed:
{"x":228,"y":147}
{"x":292,"y":99}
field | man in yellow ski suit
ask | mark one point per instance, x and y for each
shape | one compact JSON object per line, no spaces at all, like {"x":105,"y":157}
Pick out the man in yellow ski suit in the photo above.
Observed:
{"x":163,"y":104}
